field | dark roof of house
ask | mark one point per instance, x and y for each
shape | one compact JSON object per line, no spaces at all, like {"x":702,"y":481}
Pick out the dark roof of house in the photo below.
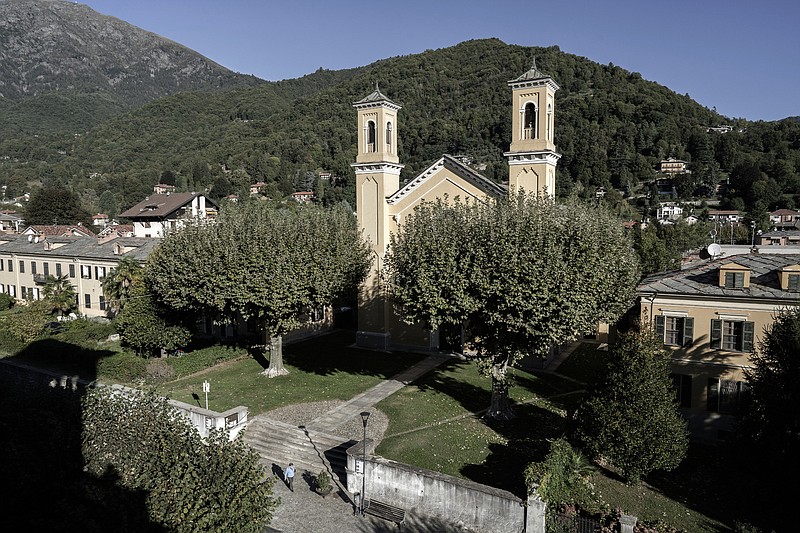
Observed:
{"x":457,"y":168}
{"x":78,"y":247}
{"x":703,"y":280}
{"x":161,"y":205}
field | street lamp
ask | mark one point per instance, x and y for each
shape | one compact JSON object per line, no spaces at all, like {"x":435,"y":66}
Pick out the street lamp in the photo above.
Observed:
{"x":753,"y":229}
{"x":364,"y":419}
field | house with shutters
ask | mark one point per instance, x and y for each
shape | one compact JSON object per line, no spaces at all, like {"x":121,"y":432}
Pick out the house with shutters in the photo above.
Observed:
{"x":711,"y":317}
{"x":161,"y":214}
{"x":26,"y":261}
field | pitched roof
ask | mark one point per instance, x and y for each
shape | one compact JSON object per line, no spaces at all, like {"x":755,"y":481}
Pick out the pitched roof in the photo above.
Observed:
{"x":161,"y":205}
{"x":140,"y":247}
{"x":58,"y":230}
{"x":375,"y":97}
{"x":459,"y":169}
{"x":703,"y":280}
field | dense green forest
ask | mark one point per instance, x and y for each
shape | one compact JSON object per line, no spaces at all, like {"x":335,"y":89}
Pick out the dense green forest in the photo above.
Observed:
{"x":612,"y":128}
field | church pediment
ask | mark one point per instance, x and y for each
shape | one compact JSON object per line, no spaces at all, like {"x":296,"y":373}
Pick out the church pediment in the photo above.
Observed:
{"x":447,"y":176}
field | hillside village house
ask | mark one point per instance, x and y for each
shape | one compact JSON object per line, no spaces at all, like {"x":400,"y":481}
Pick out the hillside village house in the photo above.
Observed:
{"x":668,"y":211}
{"x":160,"y":214}
{"x":725,"y":216}
{"x":711,"y":317}
{"x":26,"y":261}
{"x":785,"y":219}
{"x":381,"y":204}
{"x":672,"y":166}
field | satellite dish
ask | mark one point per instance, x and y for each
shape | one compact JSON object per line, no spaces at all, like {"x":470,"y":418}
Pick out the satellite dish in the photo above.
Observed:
{"x":30,"y":238}
{"x":714,"y":249}
{"x":36,"y":240}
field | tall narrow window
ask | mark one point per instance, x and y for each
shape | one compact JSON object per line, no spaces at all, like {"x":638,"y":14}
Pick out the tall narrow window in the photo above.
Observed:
{"x":549,"y":122}
{"x":389,"y":137}
{"x":371,"y":137}
{"x":529,"y":122}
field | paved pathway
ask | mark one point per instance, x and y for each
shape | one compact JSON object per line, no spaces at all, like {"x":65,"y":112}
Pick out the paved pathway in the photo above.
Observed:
{"x":305,"y":511}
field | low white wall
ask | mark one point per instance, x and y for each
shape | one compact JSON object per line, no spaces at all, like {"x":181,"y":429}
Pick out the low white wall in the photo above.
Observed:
{"x":454,"y":500}
{"x":233,"y":420}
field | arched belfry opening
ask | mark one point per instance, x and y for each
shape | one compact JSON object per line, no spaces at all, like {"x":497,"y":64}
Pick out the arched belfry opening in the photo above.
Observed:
{"x":529,"y":122}
{"x":372,"y":137}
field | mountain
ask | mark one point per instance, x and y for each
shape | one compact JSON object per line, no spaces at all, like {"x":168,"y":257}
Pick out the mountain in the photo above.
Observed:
{"x":611,"y":126}
{"x":64,"y":66}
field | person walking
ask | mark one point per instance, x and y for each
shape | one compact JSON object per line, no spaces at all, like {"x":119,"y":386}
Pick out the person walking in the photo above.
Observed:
{"x":290,"y":476}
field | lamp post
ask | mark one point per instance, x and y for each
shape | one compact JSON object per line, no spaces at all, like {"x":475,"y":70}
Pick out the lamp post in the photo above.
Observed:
{"x":753,"y":231}
{"x":364,"y":419}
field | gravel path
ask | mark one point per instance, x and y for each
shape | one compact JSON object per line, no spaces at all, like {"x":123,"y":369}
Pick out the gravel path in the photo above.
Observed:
{"x":302,"y":413}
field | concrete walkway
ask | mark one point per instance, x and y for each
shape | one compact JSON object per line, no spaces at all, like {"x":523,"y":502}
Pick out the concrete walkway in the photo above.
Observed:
{"x":366,"y":400}
{"x":303,"y":510}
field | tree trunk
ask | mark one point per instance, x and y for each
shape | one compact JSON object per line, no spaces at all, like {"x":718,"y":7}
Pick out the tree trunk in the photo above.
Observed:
{"x":276,"y":367}
{"x":500,"y":408}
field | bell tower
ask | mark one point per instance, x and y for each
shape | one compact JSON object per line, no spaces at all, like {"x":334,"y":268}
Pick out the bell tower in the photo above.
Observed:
{"x":377,"y":170}
{"x":532,"y":156}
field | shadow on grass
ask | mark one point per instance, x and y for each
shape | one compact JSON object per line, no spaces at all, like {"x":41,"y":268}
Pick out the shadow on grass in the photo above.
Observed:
{"x":334,"y":352}
{"x":527,"y":440}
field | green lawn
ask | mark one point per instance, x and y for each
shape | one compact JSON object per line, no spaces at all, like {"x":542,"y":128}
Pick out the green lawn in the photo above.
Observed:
{"x":431,"y":424}
{"x":324,"y":368}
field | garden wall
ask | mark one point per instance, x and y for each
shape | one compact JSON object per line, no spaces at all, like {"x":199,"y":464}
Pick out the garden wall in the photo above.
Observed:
{"x":426,"y":493}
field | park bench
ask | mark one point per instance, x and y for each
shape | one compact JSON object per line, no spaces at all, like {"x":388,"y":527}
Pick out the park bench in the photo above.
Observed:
{"x":385,"y":511}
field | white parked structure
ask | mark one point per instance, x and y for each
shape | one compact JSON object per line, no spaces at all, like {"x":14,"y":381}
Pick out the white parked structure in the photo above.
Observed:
{"x":669,"y":211}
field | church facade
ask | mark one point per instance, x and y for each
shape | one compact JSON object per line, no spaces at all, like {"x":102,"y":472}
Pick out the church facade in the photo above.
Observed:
{"x":381,"y":203}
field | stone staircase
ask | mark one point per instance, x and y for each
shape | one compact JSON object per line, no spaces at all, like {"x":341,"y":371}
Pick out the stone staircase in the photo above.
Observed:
{"x":279,"y":443}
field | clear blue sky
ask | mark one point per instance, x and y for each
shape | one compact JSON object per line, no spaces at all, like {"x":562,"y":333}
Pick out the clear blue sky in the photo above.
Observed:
{"x":741,"y":57}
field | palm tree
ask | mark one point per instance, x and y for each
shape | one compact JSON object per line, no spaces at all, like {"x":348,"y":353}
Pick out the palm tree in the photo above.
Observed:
{"x":117,"y":285}
{"x":59,"y":295}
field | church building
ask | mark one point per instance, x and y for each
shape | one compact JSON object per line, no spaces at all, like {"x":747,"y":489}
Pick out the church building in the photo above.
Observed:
{"x":381,"y":204}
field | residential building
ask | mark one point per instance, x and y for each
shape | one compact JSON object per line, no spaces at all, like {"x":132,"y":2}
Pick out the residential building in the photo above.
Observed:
{"x":100,"y":219}
{"x":711,"y":317}
{"x":57,"y":230}
{"x":725,"y":216}
{"x":257,"y":188}
{"x":10,"y":222}
{"x":160,"y":214}
{"x":303,"y":197}
{"x":669,"y":211}
{"x":672,"y":166}
{"x":381,"y":204}
{"x":26,"y":261}
{"x":163,"y":188}
{"x":785,"y":219}
{"x":779,"y":238}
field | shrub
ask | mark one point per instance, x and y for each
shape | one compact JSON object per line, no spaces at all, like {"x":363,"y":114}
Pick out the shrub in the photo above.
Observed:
{"x":124,"y":367}
{"x":85,"y":332}
{"x":563,"y":477}
{"x":6,"y":301}
{"x":323,"y":481}
{"x":198,"y":360}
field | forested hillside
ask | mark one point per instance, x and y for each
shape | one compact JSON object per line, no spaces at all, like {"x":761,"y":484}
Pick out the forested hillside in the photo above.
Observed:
{"x":611,"y":126}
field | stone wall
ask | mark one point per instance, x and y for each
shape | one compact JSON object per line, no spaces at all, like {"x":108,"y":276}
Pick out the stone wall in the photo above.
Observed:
{"x":432,"y":494}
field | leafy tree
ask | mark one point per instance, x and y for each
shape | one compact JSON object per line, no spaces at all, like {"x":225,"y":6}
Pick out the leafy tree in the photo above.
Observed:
{"x":771,"y":420}
{"x":107,"y":203}
{"x":257,"y":262}
{"x":6,"y":301}
{"x":190,"y":484}
{"x":55,"y":205}
{"x":59,"y":295}
{"x":26,"y":322}
{"x":120,"y":281}
{"x":520,"y":275}
{"x":147,"y":326}
{"x":631,"y":417}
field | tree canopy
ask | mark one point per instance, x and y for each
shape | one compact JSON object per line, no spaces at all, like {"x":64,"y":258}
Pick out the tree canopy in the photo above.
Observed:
{"x":56,"y":205}
{"x":631,"y":417}
{"x":189,"y":484}
{"x":257,"y":262}
{"x":520,"y":275}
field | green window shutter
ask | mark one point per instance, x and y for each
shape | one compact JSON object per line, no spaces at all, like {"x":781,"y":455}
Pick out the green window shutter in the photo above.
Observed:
{"x":688,"y":331}
{"x":729,"y":280}
{"x":739,"y":283}
{"x":794,"y":282}
{"x":716,"y":334}
{"x":660,"y":327}
{"x":748,"y":336}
